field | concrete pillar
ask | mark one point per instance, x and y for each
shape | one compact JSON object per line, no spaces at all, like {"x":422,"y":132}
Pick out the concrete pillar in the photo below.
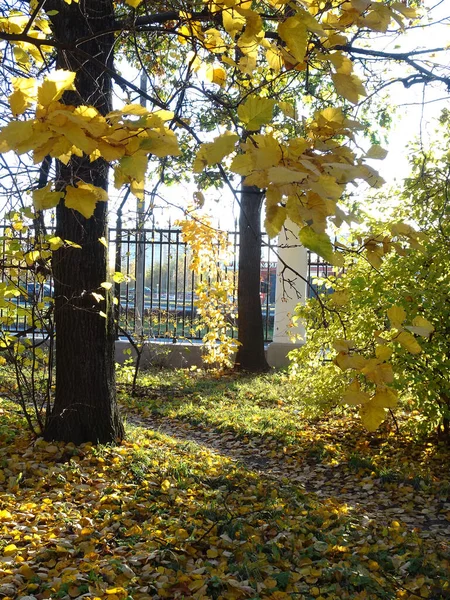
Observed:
{"x":291,"y":290}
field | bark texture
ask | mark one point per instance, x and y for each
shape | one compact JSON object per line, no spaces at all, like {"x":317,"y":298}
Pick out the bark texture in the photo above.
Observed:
{"x":85,"y":407}
{"x":250,"y":356}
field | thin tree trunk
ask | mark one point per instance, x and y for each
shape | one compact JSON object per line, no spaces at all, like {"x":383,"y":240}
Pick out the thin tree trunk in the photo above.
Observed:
{"x":85,"y":407}
{"x":250,"y":356}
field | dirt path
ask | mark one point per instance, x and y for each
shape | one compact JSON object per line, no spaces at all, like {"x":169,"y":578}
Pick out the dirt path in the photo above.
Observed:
{"x":367,"y":498}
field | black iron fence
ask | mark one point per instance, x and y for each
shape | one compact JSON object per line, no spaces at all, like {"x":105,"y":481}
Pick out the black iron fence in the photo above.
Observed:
{"x":157,"y":298}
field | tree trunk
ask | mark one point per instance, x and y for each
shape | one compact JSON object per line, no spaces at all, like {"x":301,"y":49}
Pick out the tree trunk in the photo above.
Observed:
{"x":250,"y":356}
{"x":85,"y":407}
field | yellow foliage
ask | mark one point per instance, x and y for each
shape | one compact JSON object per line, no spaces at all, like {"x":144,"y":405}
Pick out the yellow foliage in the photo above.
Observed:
{"x":44,"y":198}
{"x":256,"y":112}
{"x":408,"y":342}
{"x":213,"y":152}
{"x":396,"y":315}
{"x":83,"y":197}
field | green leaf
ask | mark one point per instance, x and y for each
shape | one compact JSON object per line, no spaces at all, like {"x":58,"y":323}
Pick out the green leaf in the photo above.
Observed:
{"x":256,"y":112}
{"x":317,"y":242}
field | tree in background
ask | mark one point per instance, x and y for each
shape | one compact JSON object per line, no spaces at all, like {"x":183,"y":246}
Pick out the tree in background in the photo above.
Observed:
{"x":65,"y":115}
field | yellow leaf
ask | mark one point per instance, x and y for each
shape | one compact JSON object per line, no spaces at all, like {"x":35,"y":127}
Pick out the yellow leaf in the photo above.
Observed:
{"x":376,"y":152}
{"x":106,"y":285}
{"x":342,"y":345}
{"x":383,"y":352}
{"x":356,"y":361}
{"x":288,"y":109}
{"x":10,"y":549}
{"x":372,"y":416}
{"x":103,"y":241}
{"x":162,"y":142}
{"x":408,"y":342}
{"x":379,"y":374}
{"x":24,"y":94}
{"x":54,"y":86}
{"x":32,"y":257}
{"x":355,"y":397}
{"x":44,"y":198}
{"x":76,"y":136}
{"x":293,"y":31}
{"x":27,"y":571}
{"x":282,"y":175}
{"x":242,"y":164}
{"x":116,"y":590}
{"x":13,"y":134}
{"x":421,"y":326}
{"x":214,"y":152}
{"x":5,"y":515}
{"x":119,"y":277}
{"x":407,"y":11}
{"x":327,"y":187}
{"x":385,"y":398}
{"x":265,"y":151}
{"x":274,"y":221}
{"x":165,"y":485}
{"x":233,"y":22}
{"x":84,"y":197}
{"x":374,"y":258}
{"x":379,"y":18}
{"x":256,"y":112}
{"x":346,"y":361}
{"x":216,"y":75}
{"x":396,"y":316}
{"x":275,"y":61}
{"x":349,"y":86}
{"x":109,"y":151}
{"x":134,"y":167}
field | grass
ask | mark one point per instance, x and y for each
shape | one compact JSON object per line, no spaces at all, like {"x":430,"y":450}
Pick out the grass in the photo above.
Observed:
{"x":271,"y":408}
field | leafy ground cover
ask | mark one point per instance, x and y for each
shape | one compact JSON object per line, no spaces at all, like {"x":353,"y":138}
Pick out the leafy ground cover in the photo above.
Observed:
{"x":176,"y":516}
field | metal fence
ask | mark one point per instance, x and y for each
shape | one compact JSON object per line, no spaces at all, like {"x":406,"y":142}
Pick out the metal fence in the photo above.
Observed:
{"x":158,"y":299}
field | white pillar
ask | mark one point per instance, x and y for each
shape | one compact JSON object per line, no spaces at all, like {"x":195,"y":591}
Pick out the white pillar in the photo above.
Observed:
{"x":292,"y":273}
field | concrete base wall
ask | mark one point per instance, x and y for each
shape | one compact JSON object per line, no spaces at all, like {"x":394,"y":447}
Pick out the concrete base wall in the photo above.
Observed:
{"x":277,"y":353}
{"x":162,"y":354}
{"x":183,"y":354}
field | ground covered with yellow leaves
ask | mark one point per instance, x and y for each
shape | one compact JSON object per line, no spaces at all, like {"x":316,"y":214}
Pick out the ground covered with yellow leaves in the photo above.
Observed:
{"x":177,"y":516}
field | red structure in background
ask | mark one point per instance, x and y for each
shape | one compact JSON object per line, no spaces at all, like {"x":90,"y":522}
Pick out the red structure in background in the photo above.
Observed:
{"x":268,"y":281}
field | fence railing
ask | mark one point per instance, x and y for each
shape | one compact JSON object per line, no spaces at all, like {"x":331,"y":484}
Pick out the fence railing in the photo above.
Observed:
{"x":161,"y":302}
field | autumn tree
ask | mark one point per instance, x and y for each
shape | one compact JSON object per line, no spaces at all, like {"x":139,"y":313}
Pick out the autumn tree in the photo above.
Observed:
{"x":280,"y":57}
{"x":59,"y":64}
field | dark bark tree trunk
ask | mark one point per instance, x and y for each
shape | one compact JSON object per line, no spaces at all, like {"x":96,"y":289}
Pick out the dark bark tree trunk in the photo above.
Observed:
{"x":250,"y":356}
{"x":85,"y":407}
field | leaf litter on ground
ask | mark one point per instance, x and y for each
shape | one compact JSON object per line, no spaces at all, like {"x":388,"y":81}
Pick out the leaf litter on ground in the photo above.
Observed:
{"x":163,"y":517}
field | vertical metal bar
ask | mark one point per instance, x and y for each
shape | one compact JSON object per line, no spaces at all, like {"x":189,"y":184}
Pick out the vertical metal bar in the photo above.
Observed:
{"x":175,"y":311}
{"x":152,"y":278}
{"x":185,"y":261}
{"x":160,"y":281}
{"x":168,"y":281}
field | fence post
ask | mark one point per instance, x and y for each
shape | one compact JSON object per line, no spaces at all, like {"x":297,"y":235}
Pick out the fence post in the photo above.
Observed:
{"x":291,"y":289}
